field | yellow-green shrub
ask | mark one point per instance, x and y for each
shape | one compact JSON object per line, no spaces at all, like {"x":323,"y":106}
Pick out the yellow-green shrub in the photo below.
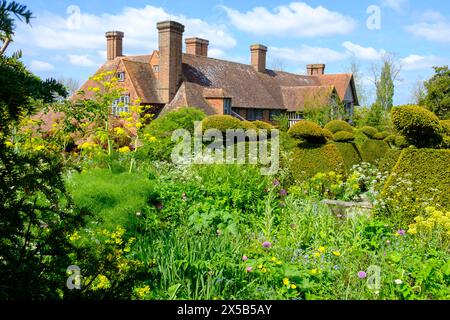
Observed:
{"x":263,"y":125}
{"x":328,"y":134}
{"x":387,"y":163}
{"x":433,"y":223}
{"x":343,"y":136}
{"x":390,"y":140}
{"x":421,"y":177}
{"x":381,"y":135}
{"x":373,"y":150}
{"x":401,"y":142}
{"x":222,"y":123}
{"x":350,"y":153}
{"x":308,"y":131}
{"x":370,"y":132}
{"x":420,"y":126}
{"x":247,"y":125}
{"x":310,"y":159}
{"x":339,"y":125}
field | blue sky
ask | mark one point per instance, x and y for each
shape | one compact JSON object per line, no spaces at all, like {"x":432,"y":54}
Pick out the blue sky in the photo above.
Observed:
{"x":67,"y":37}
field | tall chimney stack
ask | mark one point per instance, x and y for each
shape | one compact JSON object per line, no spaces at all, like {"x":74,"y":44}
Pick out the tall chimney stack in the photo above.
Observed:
{"x":170,"y":58}
{"x":197,"y":46}
{"x":258,"y":57}
{"x":114,"y":46}
{"x":315,"y":69}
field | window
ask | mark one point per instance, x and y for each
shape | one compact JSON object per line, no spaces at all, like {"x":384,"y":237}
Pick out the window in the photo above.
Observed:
{"x":121,"y":105}
{"x":121,"y":76}
{"x":274,"y":114}
{"x":155,"y":68}
{"x":227,"y":106}
{"x":255,"y":114}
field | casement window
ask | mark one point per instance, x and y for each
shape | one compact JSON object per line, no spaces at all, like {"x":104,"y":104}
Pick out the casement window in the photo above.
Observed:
{"x":155,"y":68}
{"x":255,"y":114}
{"x":274,"y":114}
{"x":227,"y":106}
{"x":121,"y":105}
{"x":121,"y":76}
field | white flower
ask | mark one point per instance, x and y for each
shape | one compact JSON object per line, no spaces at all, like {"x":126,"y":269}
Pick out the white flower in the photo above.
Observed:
{"x":398,"y":281}
{"x":138,"y":214}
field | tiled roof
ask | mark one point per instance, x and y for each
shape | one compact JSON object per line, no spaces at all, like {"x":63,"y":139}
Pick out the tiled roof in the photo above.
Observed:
{"x":297,"y":98}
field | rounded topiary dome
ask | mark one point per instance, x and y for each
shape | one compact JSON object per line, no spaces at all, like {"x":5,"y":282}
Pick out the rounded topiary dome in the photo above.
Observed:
{"x":338,"y":125}
{"x":308,"y":131}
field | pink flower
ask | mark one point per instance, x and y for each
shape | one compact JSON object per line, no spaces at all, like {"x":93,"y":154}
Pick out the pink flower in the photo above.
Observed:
{"x":249,"y":269}
{"x":401,"y":232}
{"x":362,"y":274}
{"x":266,"y":244}
{"x":276,"y":183}
{"x":283,"y":193}
{"x":244,"y":258}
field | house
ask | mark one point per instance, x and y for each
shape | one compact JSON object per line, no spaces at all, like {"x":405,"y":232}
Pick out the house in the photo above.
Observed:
{"x":168,"y":79}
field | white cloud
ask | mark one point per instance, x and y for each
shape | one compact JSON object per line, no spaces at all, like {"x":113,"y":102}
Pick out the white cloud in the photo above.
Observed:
{"x":363,"y":53}
{"x":437,"y":32}
{"x":396,"y":5}
{"x":52,"y":31}
{"x":37,"y":66}
{"x":416,"y":62}
{"x":296,"y":19}
{"x":81,"y":60}
{"x":307,"y":54}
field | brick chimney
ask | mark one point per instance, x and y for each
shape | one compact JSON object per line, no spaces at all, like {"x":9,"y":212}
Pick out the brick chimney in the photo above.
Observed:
{"x":170,"y":58}
{"x":114,"y":46}
{"x":197,"y":46}
{"x":258,"y":53}
{"x":315,"y":69}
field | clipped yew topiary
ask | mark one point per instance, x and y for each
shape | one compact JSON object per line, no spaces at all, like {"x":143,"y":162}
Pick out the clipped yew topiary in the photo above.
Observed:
{"x":381,"y":135}
{"x":247,"y":125}
{"x":390,"y":140}
{"x":401,"y":142}
{"x":389,"y":160}
{"x":343,"y":136}
{"x":420,"y":178}
{"x":263,"y":125}
{"x":370,"y":132}
{"x":349,"y":153}
{"x":308,"y":131}
{"x":328,"y":134}
{"x":338,"y":125}
{"x":222,"y":123}
{"x":418,"y":125}
{"x":373,"y":151}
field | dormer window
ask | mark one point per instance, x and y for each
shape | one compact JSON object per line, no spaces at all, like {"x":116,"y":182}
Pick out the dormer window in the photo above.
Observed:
{"x":156,"y":68}
{"x":121,"y":76}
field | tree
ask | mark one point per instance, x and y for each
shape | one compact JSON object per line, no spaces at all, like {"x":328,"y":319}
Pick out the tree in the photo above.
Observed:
{"x":361,"y":90}
{"x":419,"y":92}
{"x":7,"y":25}
{"x":437,"y":98}
{"x":71,"y":85}
{"x":385,"y":82}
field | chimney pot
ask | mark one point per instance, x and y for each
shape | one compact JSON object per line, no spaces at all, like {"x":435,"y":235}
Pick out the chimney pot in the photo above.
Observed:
{"x":114,"y":44}
{"x":258,"y":57}
{"x":197,"y":46}
{"x":315,"y":69}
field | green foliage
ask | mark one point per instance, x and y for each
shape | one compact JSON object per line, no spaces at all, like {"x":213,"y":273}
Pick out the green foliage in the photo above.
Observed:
{"x":163,"y":127}
{"x":310,"y":159}
{"x":328,"y":134}
{"x":373,"y":150}
{"x":381,"y":135}
{"x":376,"y":117}
{"x":389,"y":160}
{"x":263,"y":125}
{"x":308,"y":131}
{"x":247,"y":125}
{"x":282,"y":122}
{"x":437,"y":98}
{"x":222,"y":123}
{"x":339,"y":125}
{"x":445,"y":124}
{"x":420,"y":126}
{"x":390,"y":140}
{"x":343,"y":136}
{"x":385,"y":86}
{"x":350,"y":154}
{"x":401,"y":142}
{"x":420,"y":178}
{"x":369,"y":131}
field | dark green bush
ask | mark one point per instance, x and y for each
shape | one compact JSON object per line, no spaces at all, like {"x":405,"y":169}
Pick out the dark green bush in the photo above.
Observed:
{"x":338,"y":125}
{"x":370,"y":132}
{"x":420,"y":126}
{"x":343,"y":136}
{"x":308,"y":131}
{"x":310,"y":159}
{"x":428,"y":173}
{"x":446,"y":127}
{"x":373,"y":150}
{"x":350,"y":153}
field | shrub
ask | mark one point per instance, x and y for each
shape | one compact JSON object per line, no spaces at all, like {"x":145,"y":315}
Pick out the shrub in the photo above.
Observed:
{"x":420,"y":126}
{"x":370,"y":132}
{"x":328,"y":134}
{"x":343,"y":136}
{"x":222,"y":123}
{"x":263,"y":125}
{"x":247,"y":125}
{"x":381,"y":135}
{"x":160,"y":131}
{"x":308,"y":131}
{"x":389,"y":160}
{"x":446,"y":128}
{"x":401,"y":142}
{"x":350,"y":154}
{"x":373,"y":150}
{"x":339,"y":125}
{"x":310,"y":159}
{"x":421,"y":177}
{"x":390,"y":140}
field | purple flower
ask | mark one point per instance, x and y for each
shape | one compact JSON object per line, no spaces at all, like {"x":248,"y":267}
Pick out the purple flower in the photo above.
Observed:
{"x":401,"y":232}
{"x":362,"y":274}
{"x":249,"y":269}
{"x":266,"y":244}
{"x":283,"y":193}
{"x":276,"y":183}
{"x":244,"y":258}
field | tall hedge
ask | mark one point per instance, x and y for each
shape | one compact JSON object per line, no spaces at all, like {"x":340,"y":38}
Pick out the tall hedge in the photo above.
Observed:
{"x":428,"y":173}
{"x":373,"y":151}
{"x":350,"y":153}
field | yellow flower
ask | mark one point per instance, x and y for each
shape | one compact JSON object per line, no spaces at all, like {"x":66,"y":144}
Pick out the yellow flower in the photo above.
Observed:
{"x":263,"y":270}
{"x":125,"y":149}
{"x":314,"y":272}
{"x":316,"y":254}
{"x":9,"y":144}
{"x":286,"y":281}
{"x":260,"y":266}
{"x":293,"y":286}
{"x":336,"y":253}
{"x":138,"y":125}
{"x":39,"y":148}
{"x":322,"y":249}
{"x":142,"y":292}
{"x":119,"y":131}
{"x":152,"y":139}
{"x":279,"y":262}
{"x":274,"y":259}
